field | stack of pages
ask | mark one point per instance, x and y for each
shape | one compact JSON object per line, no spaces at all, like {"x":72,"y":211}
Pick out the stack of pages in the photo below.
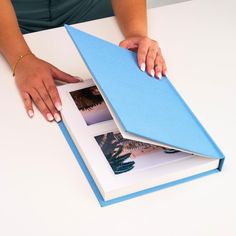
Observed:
{"x":131,"y":133}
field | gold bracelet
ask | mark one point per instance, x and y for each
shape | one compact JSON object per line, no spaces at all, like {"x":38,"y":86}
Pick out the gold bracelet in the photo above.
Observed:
{"x":18,"y":60}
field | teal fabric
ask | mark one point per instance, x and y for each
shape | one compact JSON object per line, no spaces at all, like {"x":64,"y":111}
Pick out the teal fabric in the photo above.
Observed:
{"x":36,"y":15}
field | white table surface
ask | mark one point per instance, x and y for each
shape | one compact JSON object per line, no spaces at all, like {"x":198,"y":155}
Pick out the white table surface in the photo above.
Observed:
{"x":43,"y":191}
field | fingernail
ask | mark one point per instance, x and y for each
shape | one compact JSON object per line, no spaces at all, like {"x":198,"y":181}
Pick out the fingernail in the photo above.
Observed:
{"x":159,"y":75}
{"x":57,"y":117}
{"x":165,"y":74}
{"x":30,"y":113}
{"x":143,"y":67}
{"x":58,"y":106}
{"x":152,"y":73}
{"x":78,"y":78}
{"x":50,"y":117}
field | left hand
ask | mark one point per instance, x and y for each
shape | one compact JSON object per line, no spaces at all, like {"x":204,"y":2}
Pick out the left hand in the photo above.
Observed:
{"x":148,"y":54}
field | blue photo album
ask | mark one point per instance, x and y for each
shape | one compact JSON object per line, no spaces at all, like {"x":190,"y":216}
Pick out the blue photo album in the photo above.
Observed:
{"x":131,"y":134}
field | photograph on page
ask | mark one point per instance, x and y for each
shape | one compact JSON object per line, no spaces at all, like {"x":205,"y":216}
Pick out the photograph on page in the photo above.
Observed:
{"x":126,"y":155}
{"x":91,"y":105}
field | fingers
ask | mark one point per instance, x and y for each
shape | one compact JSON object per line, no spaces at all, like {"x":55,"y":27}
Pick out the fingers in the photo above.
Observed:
{"x":53,"y":93}
{"x":41,"y":105}
{"x":129,"y":43}
{"x":154,"y":61}
{"x":46,"y":98}
{"x":28,"y":104}
{"x":62,"y":76}
{"x":43,"y":102}
{"x":45,"y":94}
{"x":124,"y":44}
{"x":149,"y":55}
{"x":150,"y":58}
{"x":35,"y":81}
{"x":164,"y":67}
{"x":142,"y":53}
{"x":158,"y":67}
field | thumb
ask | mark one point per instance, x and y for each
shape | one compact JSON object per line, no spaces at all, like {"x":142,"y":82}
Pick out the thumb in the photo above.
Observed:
{"x":64,"y":77}
{"x":124,"y":44}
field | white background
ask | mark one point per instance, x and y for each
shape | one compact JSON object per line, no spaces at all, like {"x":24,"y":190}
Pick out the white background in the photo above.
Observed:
{"x":156,"y":3}
{"x":42,"y":188}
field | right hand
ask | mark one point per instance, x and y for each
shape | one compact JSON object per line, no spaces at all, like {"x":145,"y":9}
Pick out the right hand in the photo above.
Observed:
{"x":149,"y":55}
{"x":35,"y":81}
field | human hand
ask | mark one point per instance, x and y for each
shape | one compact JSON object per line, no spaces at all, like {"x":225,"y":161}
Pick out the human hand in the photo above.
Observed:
{"x":148,"y":54}
{"x":35,"y":81}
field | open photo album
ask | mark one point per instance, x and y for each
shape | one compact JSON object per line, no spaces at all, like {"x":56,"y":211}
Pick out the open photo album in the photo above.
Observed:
{"x":120,"y":165}
{"x":131,"y":134}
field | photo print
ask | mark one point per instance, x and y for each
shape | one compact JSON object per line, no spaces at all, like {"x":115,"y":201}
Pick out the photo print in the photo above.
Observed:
{"x":91,"y":105}
{"x":125,"y":155}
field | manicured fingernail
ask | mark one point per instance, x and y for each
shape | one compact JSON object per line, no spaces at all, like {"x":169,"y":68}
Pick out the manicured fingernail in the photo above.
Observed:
{"x":165,"y":74}
{"x":143,"y":67}
{"x":50,"y":117}
{"x":58,"y":106}
{"x":57,"y":117}
{"x":30,"y":113}
{"x":159,"y":75}
{"x":78,"y":78}
{"x":152,"y":73}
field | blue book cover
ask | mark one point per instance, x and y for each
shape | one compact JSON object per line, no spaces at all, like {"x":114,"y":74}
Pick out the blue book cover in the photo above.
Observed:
{"x":144,"y":106}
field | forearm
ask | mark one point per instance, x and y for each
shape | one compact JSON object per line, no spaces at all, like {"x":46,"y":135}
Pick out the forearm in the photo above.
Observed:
{"x":131,"y":16}
{"x":12,"y":43}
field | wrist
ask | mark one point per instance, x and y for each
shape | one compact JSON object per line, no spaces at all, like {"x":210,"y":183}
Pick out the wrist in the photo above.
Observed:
{"x":12,"y":54}
{"x":20,"y":60}
{"x":136,"y":33}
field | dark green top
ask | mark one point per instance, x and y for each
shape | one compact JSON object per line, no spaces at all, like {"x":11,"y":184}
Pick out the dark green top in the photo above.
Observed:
{"x":35,"y":15}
